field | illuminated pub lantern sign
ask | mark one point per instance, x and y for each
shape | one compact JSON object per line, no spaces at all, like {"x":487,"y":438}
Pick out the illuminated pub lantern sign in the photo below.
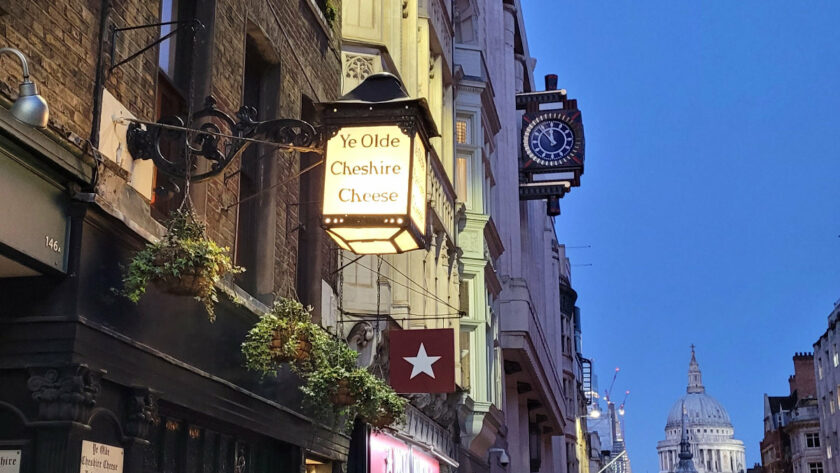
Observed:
{"x":375,"y":167}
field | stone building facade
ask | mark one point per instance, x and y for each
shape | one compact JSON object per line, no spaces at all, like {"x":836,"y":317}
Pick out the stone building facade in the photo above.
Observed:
{"x":707,"y":427}
{"x":827,"y":374}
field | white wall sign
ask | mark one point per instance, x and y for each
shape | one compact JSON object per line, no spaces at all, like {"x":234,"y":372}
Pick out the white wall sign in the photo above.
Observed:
{"x":9,"y":461}
{"x":101,"y":458}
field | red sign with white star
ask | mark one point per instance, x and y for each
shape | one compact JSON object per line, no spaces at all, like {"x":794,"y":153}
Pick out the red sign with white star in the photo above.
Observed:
{"x":423,"y":361}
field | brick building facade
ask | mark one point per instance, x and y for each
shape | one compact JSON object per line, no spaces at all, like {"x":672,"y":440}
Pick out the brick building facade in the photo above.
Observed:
{"x":156,"y":379}
{"x":791,"y":442}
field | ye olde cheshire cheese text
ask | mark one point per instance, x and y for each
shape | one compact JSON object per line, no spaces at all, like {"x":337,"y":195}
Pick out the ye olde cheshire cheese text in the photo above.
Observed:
{"x":369,"y":168}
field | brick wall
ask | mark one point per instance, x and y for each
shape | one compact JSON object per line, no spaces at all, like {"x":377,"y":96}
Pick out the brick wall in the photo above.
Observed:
{"x":803,"y":380}
{"x":61,"y":39}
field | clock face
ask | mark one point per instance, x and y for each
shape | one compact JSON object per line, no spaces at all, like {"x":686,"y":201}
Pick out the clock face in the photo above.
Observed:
{"x":549,"y":140}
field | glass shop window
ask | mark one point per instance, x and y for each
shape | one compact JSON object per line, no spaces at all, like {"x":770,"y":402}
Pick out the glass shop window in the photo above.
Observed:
{"x":318,"y":465}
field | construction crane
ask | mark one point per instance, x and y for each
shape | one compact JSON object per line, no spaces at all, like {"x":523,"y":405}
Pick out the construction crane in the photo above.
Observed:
{"x":623,"y":401}
{"x":609,"y":391}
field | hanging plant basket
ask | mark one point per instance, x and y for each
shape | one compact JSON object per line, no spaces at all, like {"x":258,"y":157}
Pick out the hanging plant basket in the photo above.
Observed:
{"x":184,"y":284}
{"x":342,"y":395}
{"x":185,"y":262}
{"x":299,"y":351}
{"x":286,"y":334}
{"x":381,"y":421}
{"x":334,"y":387}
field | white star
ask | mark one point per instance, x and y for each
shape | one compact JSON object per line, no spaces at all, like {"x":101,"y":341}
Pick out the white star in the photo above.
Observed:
{"x":422,"y":363}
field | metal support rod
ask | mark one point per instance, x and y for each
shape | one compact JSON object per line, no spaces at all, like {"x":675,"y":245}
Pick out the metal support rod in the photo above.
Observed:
{"x":296,"y":175}
{"x":612,"y":461}
{"x":348,"y":264}
{"x":302,"y":149}
{"x":195,"y":22}
{"x":23,"y":64}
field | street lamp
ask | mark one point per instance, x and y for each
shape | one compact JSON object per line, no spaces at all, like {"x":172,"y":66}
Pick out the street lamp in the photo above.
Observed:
{"x":375,"y":167}
{"x":29,"y":108}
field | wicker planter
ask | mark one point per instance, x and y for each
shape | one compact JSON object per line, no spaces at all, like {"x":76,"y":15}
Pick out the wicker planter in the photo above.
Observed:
{"x":184,"y":285}
{"x":187,"y":284}
{"x":342,"y":395}
{"x":303,"y":348}
{"x":382,"y":420}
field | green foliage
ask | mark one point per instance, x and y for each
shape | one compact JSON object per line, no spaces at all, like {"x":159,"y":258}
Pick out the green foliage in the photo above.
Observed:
{"x":289,"y":320}
{"x":330,"y":12}
{"x":329,"y":371}
{"x":185,"y":261}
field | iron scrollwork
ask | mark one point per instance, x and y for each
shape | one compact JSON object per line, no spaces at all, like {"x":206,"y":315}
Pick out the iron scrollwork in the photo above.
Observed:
{"x":217,"y":138}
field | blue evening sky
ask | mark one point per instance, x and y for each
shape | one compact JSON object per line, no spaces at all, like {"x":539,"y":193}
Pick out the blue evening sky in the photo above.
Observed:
{"x":711,"y":198}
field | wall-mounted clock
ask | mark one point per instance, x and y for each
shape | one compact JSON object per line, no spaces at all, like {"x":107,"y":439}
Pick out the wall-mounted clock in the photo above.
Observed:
{"x":552,"y":139}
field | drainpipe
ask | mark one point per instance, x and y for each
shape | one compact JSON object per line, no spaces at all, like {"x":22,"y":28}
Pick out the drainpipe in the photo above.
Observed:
{"x":99,"y":84}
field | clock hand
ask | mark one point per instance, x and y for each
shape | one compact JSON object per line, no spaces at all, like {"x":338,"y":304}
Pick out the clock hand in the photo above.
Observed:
{"x":551,"y":137}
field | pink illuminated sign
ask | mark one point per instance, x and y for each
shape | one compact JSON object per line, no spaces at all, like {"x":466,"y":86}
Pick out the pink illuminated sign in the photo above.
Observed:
{"x":389,"y":455}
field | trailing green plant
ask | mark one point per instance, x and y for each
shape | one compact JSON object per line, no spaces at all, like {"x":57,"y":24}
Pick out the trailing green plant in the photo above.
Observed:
{"x":380,"y":405}
{"x":334,"y":387}
{"x":184,"y":262}
{"x":330,"y":12}
{"x":279,"y":335}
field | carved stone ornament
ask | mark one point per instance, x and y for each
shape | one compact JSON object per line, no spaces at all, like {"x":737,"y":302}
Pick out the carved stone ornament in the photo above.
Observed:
{"x":358,"y":67}
{"x":65,"y":393}
{"x":175,"y":151}
{"x":141,"y":411}
{"x":439,"y":407}
{"x":362,"y":338}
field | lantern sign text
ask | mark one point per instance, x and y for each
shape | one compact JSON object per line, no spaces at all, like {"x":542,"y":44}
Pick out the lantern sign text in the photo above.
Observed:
{"x":375,"y":189}
{"x":367,"y":171}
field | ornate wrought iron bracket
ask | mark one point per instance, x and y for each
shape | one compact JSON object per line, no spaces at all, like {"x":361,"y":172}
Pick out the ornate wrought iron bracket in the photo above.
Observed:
{"x":216,"y":137}
{"x":193,"y":25}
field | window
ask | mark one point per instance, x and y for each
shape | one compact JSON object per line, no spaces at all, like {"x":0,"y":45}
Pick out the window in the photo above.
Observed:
{"x":252,"y":174}
{"x":465,"y":346}
{"x":462,"y":178}
{"x":462,"y":131}
{"x":831,"y":405}
{"x":812,"y":440}
{"x":819,"y":368}
{"x":815,"y":467}
{"x":835,"y":357}
{"x":175,"y":67}
{"x":828,"y":451}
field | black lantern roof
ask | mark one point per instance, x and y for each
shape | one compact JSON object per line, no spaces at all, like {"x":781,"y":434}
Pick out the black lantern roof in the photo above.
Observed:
{"x":380,"y":99}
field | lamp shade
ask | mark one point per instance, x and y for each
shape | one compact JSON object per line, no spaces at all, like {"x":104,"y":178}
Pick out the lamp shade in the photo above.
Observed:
{"x":31,"y":108}
{"x":374,"y":199}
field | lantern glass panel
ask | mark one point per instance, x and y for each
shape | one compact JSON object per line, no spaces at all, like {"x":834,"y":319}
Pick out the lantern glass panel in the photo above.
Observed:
{"x":352,"y":234}
{"x":418,"y":185}
{"x":367,"y":171}
{"x":338,"y":240}
{"x":405,"y":241}
{"x":373,"y":247}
